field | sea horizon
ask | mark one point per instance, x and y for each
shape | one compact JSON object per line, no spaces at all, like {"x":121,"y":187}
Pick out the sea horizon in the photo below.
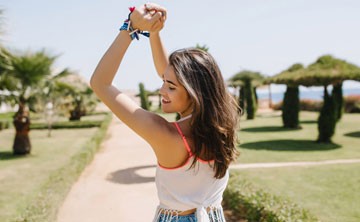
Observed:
{"x":314,"y":94}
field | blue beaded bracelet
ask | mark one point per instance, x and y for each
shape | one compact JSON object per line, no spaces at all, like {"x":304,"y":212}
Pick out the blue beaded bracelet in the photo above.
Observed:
{"x":134,"y":33}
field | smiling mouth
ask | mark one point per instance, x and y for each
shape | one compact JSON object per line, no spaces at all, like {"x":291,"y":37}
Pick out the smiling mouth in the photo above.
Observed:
{"x":164,"y":101}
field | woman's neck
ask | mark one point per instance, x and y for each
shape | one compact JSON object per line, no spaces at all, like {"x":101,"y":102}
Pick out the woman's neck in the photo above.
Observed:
{"x":183,"y":118}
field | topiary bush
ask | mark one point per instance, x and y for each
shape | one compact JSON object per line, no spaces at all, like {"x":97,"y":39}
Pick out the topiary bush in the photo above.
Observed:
{"x":291,"y":108}
{"x":337,"y":94}
{"x":143,"y":97}
{"x":327,"y":119}
{"x":241,"y":99}
{"x":250,"y":100}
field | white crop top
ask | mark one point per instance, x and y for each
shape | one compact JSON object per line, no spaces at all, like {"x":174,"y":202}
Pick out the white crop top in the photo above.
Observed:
{"x":181,"y":189}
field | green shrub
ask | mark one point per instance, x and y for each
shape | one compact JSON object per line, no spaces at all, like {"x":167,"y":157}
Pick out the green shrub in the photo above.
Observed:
{"x":241,"y":100}
{"x":250,"y":100}
{"x":255,"y":205}
{"x":4,"y":124}
{"x":144,"y":97}
{"x":327,"y":119}
{"x":67,"y":125}
{"x":291,"y":107}
{"x":337,"y":94}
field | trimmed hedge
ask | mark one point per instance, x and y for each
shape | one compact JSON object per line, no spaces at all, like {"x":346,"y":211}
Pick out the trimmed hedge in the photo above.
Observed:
{"x":67,"y":125}
{"x":255,"y":205}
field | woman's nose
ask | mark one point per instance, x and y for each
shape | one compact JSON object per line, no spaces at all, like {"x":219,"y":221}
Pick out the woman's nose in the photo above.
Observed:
{"x":161,"y":91}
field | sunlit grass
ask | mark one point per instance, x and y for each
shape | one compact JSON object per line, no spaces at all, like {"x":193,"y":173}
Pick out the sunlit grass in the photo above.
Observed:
{"x":264,"y":140}
{"x":330,"y":192}
{"x":23,"y":178}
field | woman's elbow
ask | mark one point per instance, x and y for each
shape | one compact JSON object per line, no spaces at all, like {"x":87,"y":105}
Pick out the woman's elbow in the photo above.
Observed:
{"x":94,"y":83}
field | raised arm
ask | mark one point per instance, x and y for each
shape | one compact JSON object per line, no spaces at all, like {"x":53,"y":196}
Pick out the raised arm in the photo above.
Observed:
{"x":160,"y":56}
{"x":146,"y":124}
{"x":159,"y":53}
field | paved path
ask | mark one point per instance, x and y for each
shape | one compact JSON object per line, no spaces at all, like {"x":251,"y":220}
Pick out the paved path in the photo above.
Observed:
{"x":119,"y":184}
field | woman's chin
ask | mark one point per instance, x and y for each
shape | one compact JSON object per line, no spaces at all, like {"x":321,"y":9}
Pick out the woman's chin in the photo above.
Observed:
{"x":167,"y":110}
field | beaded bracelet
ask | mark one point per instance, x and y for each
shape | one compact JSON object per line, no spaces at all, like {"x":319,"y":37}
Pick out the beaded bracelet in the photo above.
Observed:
{"x":134,"y":33}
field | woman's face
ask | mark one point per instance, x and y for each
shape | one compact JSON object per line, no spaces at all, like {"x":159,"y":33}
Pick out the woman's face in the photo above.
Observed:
{"x":175,"y":98}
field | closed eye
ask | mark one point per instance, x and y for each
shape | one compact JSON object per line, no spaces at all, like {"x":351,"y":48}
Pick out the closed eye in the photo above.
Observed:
{"x":170,"y":87}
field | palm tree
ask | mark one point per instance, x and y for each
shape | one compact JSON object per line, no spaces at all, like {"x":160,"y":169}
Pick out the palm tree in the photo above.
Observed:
{"x":76,"y":100}
{"x":6,"y":82}
{"x":29,"y":70}
{"x":202,"y":47}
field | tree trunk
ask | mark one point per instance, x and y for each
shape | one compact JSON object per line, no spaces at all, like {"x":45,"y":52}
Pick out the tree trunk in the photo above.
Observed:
{"x":75,"y":114}
{"x":21,"y":122}
{"x":337,"y":93}
{"x":327,"y":119}
{"x":291,"y":108}
{"x":241,"y":100}
{"x":250,"y":100}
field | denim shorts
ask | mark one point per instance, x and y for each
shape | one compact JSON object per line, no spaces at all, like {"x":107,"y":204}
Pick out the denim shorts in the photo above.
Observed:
{"x":185,"y":218}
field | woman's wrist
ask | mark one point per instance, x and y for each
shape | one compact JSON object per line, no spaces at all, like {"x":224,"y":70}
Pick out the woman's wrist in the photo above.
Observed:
{"x":154,"y":34}
{"x":128,"y":26}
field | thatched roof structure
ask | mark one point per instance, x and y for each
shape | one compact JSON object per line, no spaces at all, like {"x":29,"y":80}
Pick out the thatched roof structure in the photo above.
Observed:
{"x":239,"y":78}
{"x":325,"y":71}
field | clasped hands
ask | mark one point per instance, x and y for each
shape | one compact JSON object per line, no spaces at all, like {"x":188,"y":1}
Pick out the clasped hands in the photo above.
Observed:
{"x":149,"y":17}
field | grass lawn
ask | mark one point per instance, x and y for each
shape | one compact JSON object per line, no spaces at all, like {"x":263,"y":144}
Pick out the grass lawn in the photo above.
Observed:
{"x":264,"y":140}
{"x":22,"y":177}
{"x":331,"y":192}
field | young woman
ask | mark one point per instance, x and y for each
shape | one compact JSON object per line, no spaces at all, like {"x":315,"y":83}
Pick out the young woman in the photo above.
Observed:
{"x":193,"y":153}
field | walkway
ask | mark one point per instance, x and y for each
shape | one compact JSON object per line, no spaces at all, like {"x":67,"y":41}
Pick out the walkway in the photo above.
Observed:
{"x":119,"y":184}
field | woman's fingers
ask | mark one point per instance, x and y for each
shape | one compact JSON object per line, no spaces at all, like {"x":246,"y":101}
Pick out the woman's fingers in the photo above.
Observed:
{"x":156,"y":8}
{"x":146,"y":16}
{"x":157,"y":26}
{"x":156,"y":17}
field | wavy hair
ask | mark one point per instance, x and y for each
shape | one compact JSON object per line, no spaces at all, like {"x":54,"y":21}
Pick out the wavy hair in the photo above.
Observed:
{"x":214,"y":117}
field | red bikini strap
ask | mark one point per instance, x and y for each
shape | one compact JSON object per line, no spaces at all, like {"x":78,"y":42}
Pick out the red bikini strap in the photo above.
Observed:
{"x":183,"y":138}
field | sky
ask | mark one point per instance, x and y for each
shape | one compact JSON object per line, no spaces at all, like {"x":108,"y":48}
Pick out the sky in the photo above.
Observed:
{"x":257,"y":35}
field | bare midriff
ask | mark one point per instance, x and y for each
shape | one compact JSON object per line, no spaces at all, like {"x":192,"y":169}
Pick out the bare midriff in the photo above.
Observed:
{"x":187,"y":212}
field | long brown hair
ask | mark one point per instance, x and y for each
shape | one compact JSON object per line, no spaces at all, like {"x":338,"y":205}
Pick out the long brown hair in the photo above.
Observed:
{"x":214,"y":118}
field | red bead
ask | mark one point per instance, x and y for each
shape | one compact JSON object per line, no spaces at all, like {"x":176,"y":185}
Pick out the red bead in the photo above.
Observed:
{"x":132,"y":8}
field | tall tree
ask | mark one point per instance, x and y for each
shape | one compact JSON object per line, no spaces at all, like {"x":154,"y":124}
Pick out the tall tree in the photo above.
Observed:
{"x":29,"y":70}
